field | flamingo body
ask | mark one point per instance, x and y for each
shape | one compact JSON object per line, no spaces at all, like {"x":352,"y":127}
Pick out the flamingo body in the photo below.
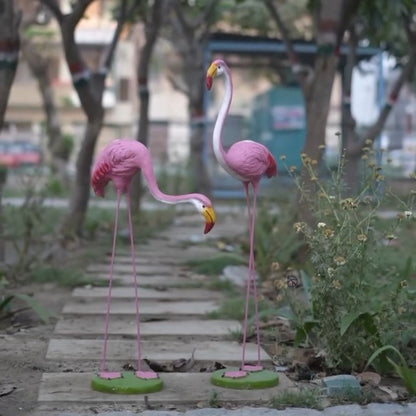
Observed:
{"x":247,"y":161}
{"x":250,"y":160}
{"x":118,"y":162}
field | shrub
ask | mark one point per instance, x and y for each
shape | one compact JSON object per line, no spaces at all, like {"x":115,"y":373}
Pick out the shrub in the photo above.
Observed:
{"x":359,"y":298}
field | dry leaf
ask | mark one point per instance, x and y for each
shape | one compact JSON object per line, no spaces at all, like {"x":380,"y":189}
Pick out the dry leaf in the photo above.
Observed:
{"x":369,"y":377}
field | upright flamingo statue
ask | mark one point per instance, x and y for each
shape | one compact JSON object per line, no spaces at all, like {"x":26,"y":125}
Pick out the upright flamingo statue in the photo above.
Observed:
{"x":247,"y":161}
{"x":118,"y":162}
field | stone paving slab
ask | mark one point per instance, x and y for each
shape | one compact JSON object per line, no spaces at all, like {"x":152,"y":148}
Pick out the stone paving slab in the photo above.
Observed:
{"x":180,"y":388}
{"x":96,"y":306}
{"x":147,"y":293}
{"x":141,"y":269}
{"x":149,"y":281}
{"x":146,"y":257}
{"x":160,"y":350}
{"x":372,"y":409}
{"x":158,"y":250}
{"x":125,"y":325}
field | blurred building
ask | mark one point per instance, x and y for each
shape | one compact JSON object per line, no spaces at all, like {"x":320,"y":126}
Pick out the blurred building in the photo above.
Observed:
{"x":25,"y":116}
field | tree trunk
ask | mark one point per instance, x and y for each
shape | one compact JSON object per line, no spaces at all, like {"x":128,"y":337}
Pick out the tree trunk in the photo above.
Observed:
{"x":317,"y":102}
{"x":39,"y":66}
{"x":10,"y":18}
{"x":78,"y":203}
{"x":136,"y":188}
{"x":198,"y":162}
{"x":152,"y":29}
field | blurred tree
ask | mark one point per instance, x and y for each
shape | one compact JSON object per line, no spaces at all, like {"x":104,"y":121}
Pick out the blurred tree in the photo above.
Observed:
{"x":89,"y":85}
{"x":374,"y":23}
{"x":331,"y":18}
{"x":189,"y":29}
{"x":35,"y":40}
{"x":10,"y":17}
{"x":150,"y":13}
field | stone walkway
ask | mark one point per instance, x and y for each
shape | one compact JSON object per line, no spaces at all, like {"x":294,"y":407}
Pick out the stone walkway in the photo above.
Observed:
{"x":173,"y":311}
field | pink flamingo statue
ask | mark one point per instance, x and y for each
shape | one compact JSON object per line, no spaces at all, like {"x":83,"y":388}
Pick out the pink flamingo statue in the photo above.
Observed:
{"x":246,"y":161}
{"x":118,"y":162}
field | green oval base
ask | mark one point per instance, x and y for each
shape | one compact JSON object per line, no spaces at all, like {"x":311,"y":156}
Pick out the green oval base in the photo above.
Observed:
{"x":128,"y":384}
{"x":256,"y":380}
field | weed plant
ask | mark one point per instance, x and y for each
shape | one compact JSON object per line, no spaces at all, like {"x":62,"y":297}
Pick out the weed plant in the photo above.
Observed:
{"x":359,"y":294}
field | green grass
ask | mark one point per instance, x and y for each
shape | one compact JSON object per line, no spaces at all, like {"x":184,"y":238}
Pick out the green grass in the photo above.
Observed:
{"x":220,"y":285}
{"x":233,"y":308}
{"x":302,"y":398}
{"x":214,"y":266}
{"x":65,"y":277}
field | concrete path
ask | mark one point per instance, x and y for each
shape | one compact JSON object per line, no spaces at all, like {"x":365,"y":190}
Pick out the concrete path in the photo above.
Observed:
{"x":174,"y":326}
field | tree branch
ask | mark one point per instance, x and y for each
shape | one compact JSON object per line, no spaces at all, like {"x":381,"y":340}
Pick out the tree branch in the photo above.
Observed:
{"x":374,"y":131}
{"x":53,"y":6}
{"x":349,"y":9}
{"x":284,"y":32}
{"x":302,"y":72}
{"x":184,"y":24}
{"x":120,"y":22}
{"x":205,"y":16}
{"x":78,"y":12}
{"x":176,"y":85}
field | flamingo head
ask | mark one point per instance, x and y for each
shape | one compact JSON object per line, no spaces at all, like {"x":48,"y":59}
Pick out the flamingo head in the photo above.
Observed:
{"x":217,"y":67}
{"x":204,"y":206}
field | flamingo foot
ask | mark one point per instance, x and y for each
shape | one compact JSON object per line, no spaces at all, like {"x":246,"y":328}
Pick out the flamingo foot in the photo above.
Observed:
{"x":146,"y":375}
{"x":246,"y":380}
{"x":110,"y":375}
{"x":235,"y":374}
{"x":128,"y":383}
{"x":252,"y":368}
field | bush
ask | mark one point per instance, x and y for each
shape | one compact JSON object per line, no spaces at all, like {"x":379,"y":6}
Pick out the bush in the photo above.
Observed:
{"x":359,"y":296}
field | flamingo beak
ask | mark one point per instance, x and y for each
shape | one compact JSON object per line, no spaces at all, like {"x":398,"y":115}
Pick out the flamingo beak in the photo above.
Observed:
{"x":212,"y":70}
{"x":209,"y":215}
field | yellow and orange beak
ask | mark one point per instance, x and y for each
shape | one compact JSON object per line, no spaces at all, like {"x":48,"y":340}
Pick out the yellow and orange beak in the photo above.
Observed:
{"x":209,"y":216}
{"x":212,"y":71}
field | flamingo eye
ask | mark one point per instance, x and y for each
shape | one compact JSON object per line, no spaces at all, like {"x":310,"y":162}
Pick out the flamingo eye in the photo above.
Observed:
{"x":203,"y":206}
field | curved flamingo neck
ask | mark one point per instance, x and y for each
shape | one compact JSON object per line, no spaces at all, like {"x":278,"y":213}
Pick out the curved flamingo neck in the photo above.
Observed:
{"x":147,"y":170}
{"x":218,"y":148}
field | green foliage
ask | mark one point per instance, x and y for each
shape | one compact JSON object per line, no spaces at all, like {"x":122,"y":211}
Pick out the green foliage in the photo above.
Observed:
{"x":3,"y":175}
{"x":276,"y":241}
{"x":233,"y":308}
{"x":55,"y":187}
{"x":407,"y":374}
{"x":65,"y":277}
{"x":249,"y":15}
{"x":375,"y":23}
{"x":7,"y":300}
{"x":213,"y":400}
{"x":359,"y":299}
{"x":303,"y":398}
{"x":40,"y":33}
{"x":214,"y":266}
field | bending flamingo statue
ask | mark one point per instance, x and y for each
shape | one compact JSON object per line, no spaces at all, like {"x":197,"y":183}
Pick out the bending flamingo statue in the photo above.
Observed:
{"x":246,"y":161}
{"x":118,"y":162}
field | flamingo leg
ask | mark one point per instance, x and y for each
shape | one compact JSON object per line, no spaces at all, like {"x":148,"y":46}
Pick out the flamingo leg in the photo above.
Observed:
{"x":253,"y":270}
{"x":110,"y":285}
{"x":251,"y":280}
{"x":248,"y":282}
{"x":134,"y":272}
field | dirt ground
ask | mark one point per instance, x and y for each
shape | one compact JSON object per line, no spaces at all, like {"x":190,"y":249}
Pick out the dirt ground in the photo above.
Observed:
{"x":23,"y":343}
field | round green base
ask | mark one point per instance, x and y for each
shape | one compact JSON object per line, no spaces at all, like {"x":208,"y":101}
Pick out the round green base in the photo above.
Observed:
{"x":128,"y":384}
{"x":256,"y":380}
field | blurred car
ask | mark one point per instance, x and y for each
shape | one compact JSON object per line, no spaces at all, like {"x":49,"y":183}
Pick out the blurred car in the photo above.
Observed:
{"x":20,"y":153}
